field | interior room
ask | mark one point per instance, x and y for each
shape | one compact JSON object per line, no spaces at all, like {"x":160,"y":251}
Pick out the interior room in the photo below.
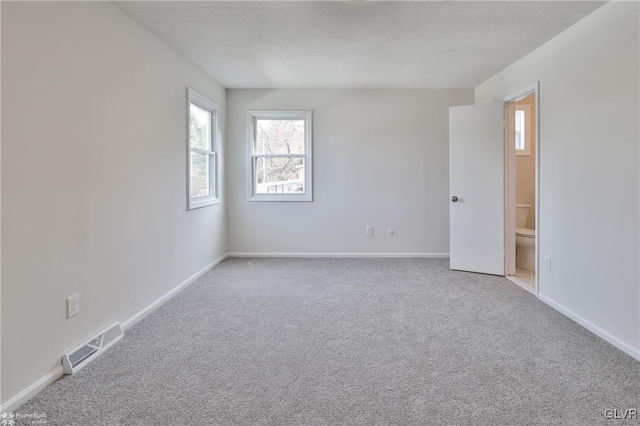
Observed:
{"x":521,"y":116}
{"x":318,"y":212}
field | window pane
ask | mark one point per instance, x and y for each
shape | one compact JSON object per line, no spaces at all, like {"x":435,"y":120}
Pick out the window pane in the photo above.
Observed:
{"x":200,"y":128}
{"x":201,"y":175}
{"x":279,"y":176}
{"x":520,"y":135}
{"x":279,"y":137}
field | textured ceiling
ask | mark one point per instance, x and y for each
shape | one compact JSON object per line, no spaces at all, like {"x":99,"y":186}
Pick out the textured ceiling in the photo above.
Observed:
{"x":357,"y":44}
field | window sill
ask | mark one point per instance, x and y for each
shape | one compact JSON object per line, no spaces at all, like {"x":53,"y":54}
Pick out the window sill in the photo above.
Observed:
{"x":196,"y":203}
{"x":279,"y":198}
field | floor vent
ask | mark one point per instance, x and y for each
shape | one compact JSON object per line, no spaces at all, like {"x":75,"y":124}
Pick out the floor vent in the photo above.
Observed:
{"x":83,"y":354}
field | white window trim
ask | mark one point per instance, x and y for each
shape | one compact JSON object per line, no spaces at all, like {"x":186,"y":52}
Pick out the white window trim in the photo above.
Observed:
{"x":308,"y":154}
{"x":203,"y":102}
{"x":526,"y":152}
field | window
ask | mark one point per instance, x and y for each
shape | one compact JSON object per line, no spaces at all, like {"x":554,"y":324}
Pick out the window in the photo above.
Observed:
{"x":523,"y":129}
{"x":280,"y":156}
{"x":203,"y":140}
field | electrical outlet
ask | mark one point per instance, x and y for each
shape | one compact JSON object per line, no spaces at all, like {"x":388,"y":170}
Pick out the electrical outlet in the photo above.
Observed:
{"x":369,"y":231}
{"x":547,"y":263}
{"x":73,"y":305}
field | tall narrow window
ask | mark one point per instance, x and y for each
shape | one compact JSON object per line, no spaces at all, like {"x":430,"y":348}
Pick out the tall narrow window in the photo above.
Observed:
{"x":203,"y":139}
{"x":280,"y":155}
{"x":522,"y":130}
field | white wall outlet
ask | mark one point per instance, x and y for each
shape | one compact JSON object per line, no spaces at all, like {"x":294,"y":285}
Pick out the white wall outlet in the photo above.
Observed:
{"x":547,"y":263}
{"x":391,"y":231}
{"x":369,"y":231}
{"x":73,"y":305}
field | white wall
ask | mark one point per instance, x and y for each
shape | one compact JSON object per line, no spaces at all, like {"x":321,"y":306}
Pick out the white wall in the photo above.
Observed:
{"x":93,"y":178}
{"x":380,"y":158}
{"x":589,"y":168}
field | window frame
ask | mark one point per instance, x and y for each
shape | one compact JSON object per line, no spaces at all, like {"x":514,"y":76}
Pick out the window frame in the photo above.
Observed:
{"x":526,"y":152}
{"x":206,"y":104}
{"x":307,"y":156}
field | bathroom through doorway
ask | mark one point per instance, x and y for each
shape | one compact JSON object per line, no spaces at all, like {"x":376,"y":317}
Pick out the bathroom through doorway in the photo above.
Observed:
{"x":521,"y":187}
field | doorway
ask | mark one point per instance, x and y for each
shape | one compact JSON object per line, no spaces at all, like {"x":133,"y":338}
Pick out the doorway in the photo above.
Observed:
{"x":482,"y":170}
{"x":521,"y":189}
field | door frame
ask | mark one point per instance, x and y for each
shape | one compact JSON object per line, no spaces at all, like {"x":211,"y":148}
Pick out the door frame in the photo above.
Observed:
{"x":509,"y":196}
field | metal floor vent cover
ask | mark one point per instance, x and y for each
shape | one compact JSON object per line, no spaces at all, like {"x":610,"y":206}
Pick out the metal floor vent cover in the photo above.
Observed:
{"x":83,"y":354}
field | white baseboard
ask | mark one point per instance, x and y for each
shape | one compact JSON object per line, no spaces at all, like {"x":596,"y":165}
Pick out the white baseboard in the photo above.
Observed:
{"x":32,"y":390}
{"x":624,"y":347}
{"x":28,"y":393}
{"x":338,"y":255}
{"x":162,"y":299}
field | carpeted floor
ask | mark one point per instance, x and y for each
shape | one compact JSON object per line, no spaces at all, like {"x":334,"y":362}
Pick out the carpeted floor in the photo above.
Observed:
{"x":348,"y":341}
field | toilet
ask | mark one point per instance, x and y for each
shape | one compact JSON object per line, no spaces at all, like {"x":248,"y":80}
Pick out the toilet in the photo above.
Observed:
{"x":525,"y":240}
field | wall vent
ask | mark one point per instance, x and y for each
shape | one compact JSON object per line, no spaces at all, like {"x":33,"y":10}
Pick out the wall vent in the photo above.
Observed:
{"x":86,"y":352}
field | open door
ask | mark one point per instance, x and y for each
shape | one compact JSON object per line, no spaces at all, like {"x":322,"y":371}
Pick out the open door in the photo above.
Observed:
{"x":476,"y":183}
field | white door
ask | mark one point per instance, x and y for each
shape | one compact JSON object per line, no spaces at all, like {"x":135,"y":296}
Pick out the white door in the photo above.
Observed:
{"x":476,"y":184}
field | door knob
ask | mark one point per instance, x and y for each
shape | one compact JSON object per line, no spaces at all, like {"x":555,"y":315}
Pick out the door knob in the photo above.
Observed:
{"x":454,"y":199}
